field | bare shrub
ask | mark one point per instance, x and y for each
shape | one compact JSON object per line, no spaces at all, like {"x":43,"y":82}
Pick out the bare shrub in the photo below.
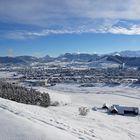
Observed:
{"x":83,"y":111}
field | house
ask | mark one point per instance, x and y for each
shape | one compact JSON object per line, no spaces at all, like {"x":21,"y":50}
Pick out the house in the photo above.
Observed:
{"x":113,"y":110}
{"x":35,"y":83}
{"x":123,"y":110}
{"x":105,"y":106}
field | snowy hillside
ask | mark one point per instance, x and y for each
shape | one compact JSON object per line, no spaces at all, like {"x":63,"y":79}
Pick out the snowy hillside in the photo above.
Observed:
{"x":63,"y":122}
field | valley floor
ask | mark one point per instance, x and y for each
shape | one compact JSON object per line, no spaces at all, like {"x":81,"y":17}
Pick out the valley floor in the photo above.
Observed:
{"x":27,"y":122}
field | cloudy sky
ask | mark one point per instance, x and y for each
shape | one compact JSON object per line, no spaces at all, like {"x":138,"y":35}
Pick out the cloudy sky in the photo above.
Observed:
{"x":40,"y":27}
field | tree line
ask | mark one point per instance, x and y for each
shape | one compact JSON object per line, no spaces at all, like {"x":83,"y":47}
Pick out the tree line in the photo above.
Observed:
{"x":23,"y":95}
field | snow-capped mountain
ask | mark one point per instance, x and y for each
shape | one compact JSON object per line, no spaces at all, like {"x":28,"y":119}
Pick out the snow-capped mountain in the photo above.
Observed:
{"x":78,"y":57}
{"x":130,"y":58}
{"x":128,"y":53}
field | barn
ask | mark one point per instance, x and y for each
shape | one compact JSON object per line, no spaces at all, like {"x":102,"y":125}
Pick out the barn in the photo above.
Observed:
{"x":124,"y":110}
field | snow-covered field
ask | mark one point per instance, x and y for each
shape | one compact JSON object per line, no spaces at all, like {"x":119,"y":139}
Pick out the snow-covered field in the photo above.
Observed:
{"x":63,"y":122}
{"x":4,"y":74}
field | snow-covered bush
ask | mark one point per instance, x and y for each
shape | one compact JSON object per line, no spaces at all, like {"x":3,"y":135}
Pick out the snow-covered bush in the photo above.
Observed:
{"x":83,"y":111}
{"x":55,"y":103}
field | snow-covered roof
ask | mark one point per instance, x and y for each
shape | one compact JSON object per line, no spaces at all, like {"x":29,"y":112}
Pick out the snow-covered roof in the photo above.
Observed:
{"x":105,"y":105}
{"x":122,"y":109}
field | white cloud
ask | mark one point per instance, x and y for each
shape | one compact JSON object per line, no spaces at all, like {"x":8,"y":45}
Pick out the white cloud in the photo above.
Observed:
{"x":134,"y":30}
{"x":69,"y":17}
{"x":47,"y":12}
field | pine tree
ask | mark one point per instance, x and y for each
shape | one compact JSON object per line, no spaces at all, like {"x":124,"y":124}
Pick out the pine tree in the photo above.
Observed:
{"x":23,"y":95}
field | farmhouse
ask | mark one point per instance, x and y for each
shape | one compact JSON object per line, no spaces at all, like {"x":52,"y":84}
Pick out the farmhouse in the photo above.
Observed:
{"x":123,"y":110}
{"x":105,"y":106}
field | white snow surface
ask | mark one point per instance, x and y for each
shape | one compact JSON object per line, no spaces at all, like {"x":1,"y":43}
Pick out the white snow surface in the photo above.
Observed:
{"x":4,"y":74}
{"x":55,"y":96}
{"x":28,"y":122}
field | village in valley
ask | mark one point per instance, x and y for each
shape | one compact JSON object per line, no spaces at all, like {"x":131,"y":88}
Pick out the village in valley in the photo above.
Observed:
{"x":48,"y":76}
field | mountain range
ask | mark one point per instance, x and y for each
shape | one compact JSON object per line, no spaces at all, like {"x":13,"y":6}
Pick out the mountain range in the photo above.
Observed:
{"x":130,"y":58}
